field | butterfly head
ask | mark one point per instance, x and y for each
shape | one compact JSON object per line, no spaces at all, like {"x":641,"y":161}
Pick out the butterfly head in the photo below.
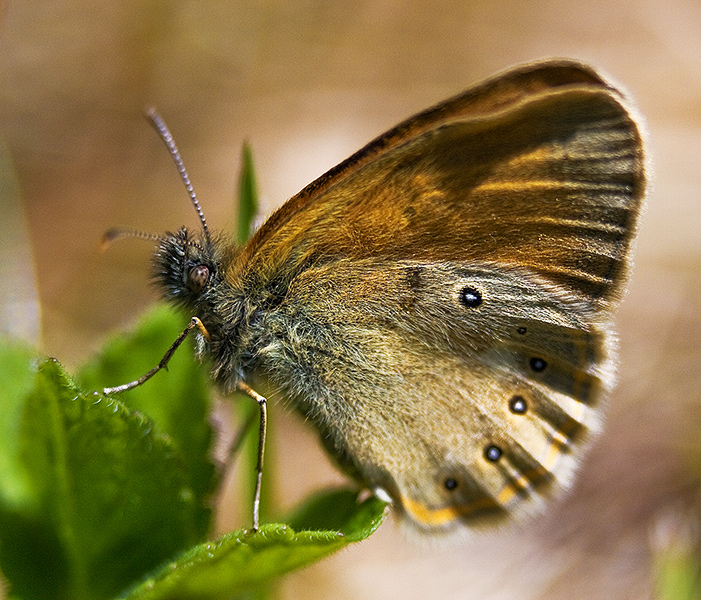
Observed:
{"x":186,"y":268}
{"x":190,"y":271}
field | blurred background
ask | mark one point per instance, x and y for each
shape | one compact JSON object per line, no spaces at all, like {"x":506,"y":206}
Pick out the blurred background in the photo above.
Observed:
{"x":307,"y":83}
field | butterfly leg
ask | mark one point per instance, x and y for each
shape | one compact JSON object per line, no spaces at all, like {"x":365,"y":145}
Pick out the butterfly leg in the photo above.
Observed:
{"x":194,"y":323}
{"x":262,"y":404}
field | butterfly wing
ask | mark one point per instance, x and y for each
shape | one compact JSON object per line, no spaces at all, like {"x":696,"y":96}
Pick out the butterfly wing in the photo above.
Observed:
{"x":541,"y":167}
{"x":462,"y":414}
{"x":438,"y":305}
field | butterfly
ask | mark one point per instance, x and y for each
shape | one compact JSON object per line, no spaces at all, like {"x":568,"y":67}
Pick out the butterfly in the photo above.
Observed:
{"x":439,"y":305}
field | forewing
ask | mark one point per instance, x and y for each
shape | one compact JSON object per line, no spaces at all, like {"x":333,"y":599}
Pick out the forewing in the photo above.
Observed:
{"x":540,"y":168}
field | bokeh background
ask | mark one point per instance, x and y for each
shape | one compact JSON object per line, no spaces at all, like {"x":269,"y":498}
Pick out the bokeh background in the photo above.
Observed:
{"x":307,"y":83}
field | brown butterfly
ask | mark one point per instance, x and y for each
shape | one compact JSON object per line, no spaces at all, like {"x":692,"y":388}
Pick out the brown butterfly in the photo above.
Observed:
{"x":438,"y":305}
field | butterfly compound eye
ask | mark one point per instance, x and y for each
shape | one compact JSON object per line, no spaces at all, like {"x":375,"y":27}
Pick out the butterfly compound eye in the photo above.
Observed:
{"x":198,"y":278}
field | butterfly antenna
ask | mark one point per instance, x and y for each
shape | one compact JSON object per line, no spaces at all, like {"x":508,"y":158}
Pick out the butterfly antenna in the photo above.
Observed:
{"x":159,"y":124}
{"x":117,"y":233}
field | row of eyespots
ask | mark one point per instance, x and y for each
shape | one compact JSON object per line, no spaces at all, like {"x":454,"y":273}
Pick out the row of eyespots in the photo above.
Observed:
{"x":472,"y":298}
{"x":492,"y":453}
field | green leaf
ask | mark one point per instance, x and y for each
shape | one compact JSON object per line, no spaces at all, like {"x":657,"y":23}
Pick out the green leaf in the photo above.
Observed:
{"x":248,"y":196}
{"x":240,"y":561}
{"x":177,"y":399}
{"x":91,"y":496}
{"x":339,"y":510}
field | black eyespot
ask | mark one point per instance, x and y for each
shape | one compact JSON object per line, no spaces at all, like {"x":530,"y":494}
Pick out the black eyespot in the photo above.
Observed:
{"x":471,"y":297}
{"x":538,"y":364}
{"x":517,"y":405}
{"x":198,"y":278}
{"x":521,"y":330}
{"x":450,"y":484}
{"x":492,"y":453}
